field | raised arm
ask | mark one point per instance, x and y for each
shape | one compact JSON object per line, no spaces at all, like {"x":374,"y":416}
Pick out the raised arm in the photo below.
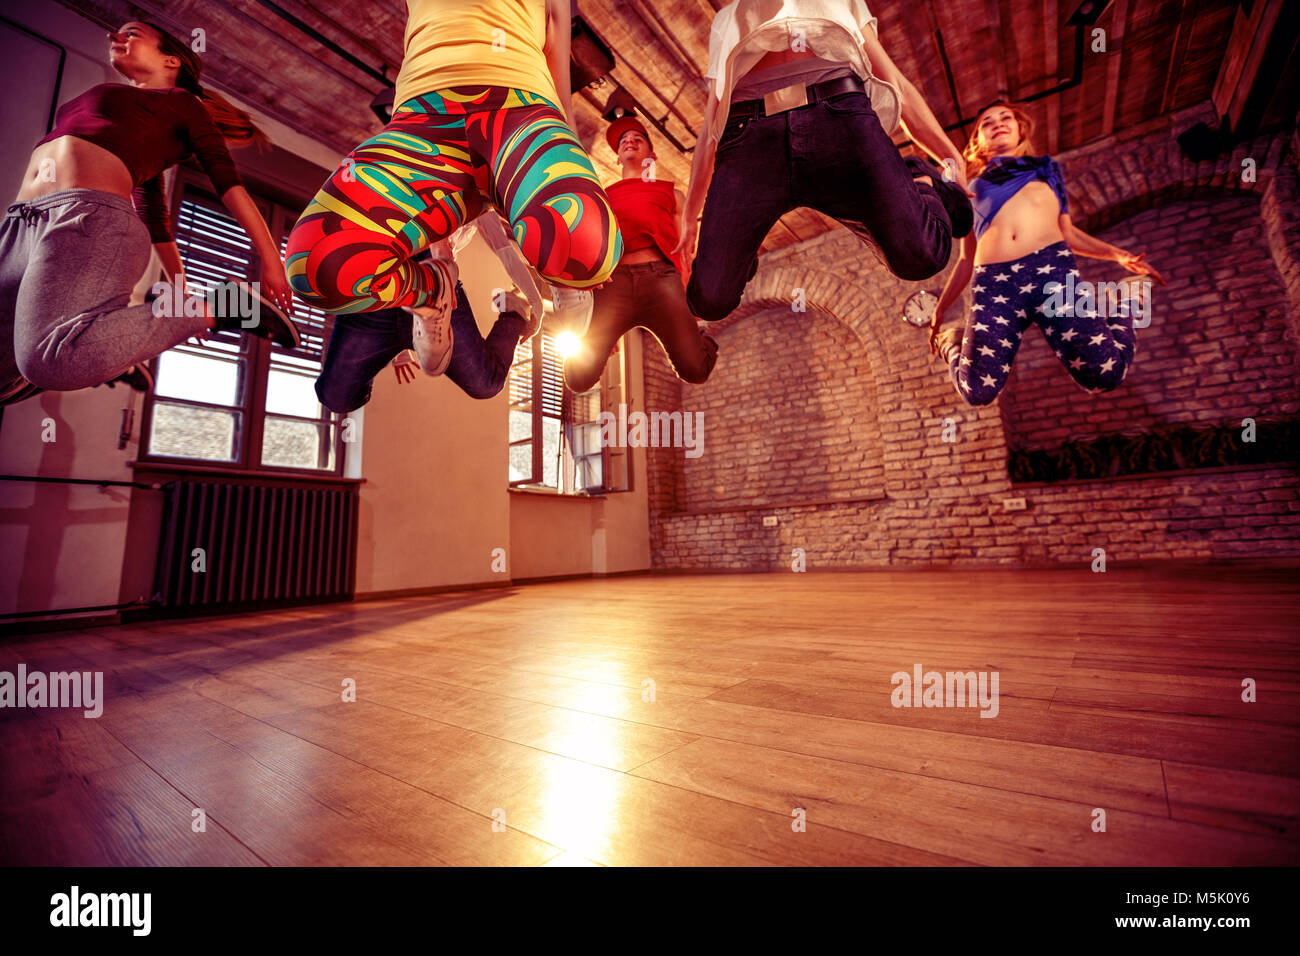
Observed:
{"x":559,"y":35}
{"x":214,"y":156}
{"x":275,"y":283}
{"x":918,"y":119}
{"x":701,"y":175}
{"x":1091,"y":246}
{"x":953,"y":289}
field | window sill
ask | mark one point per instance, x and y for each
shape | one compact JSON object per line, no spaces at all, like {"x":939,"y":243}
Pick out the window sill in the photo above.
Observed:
{"x":210,"y":471}
{"x":544,"y":493}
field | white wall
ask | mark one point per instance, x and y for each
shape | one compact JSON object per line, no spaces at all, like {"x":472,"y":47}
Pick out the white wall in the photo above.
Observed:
{"x":435,"y":503}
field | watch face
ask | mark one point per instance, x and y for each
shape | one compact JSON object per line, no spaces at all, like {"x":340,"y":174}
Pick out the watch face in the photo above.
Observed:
{"x":919,"y":309}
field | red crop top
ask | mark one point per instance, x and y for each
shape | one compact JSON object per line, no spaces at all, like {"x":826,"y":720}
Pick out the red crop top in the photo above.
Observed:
{"x":647,"y":215}
{"x":149,"y":131}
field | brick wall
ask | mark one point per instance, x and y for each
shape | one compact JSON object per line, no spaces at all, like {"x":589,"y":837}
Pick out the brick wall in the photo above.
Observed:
{"x":663,"y":393}
{"x":1230,"y":250}
{"x":1217,"y":350}
{"x":791,"y":419}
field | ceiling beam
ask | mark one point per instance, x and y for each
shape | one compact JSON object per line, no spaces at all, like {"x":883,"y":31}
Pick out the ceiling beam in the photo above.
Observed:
{"x":1002,"y":51}
{"x":1182,"y":34}
{"x":1051,"y":63}
{"x":1114,"y":68}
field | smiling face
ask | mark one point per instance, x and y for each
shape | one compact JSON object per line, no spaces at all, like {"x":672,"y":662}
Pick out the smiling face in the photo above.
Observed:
{"x":998,"y":131}
{"x":133,"y":51}
{"x":633,"y":148}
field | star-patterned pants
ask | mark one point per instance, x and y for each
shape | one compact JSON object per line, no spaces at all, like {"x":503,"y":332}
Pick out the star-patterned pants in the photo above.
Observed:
{"x":1008,"y":297}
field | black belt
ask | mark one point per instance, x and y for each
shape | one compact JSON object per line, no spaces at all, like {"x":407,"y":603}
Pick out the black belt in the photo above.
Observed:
{"x":753,"y":109}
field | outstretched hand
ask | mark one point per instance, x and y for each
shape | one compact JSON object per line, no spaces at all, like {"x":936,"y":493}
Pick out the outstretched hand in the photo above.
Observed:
{"x":275,"y":286}
{"x":1135,"y":264}
{"x":684,"y":251}
{"x":935,"y":323}
{"x":404,"y":367}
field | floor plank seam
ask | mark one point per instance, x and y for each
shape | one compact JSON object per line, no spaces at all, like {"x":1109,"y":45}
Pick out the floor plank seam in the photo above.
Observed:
{"x":161,"y":776}
{"x":312,"y":743}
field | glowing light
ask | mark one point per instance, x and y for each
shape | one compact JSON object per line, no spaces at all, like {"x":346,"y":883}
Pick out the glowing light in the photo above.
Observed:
{"x":567,"y":344}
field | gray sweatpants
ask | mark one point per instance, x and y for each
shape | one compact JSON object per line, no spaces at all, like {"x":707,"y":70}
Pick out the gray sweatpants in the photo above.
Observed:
{"x":68,"y":262}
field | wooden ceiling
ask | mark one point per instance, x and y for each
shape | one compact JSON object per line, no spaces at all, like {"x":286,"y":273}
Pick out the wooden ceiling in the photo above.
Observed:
{"x":1161,"y":55}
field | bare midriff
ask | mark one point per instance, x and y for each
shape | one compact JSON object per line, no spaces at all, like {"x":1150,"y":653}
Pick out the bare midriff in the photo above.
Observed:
{"x":640,"y":256}
{"x":72,"y":163}
{"x":777,"y":57}
{"x":1028,"y":221}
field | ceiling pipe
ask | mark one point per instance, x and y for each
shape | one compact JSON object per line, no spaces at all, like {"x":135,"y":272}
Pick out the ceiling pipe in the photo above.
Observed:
{"x":287,"y":17}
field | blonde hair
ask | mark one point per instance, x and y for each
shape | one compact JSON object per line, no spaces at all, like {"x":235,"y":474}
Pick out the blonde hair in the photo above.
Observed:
{"x":978,"y":157}
{"x":234,"y":125}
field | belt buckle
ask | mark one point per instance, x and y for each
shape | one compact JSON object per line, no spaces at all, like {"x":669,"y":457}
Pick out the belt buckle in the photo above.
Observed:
{"x":788,"y":98}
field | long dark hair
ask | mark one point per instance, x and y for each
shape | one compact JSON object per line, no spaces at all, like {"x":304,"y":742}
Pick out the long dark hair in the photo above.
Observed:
{"x":235,"y":126}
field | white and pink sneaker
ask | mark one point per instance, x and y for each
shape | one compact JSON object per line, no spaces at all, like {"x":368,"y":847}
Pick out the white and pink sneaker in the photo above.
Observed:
{"x":431,"y":329}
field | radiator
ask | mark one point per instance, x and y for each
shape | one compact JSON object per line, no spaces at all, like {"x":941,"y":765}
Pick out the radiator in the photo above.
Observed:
{"x":256,"y":544}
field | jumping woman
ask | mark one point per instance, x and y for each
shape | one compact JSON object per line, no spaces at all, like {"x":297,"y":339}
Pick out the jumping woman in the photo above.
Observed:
{"x":646,"y":289}
{"x":77,"y":239}
{"x":483,"y":115}
{"x":1021,"y":254}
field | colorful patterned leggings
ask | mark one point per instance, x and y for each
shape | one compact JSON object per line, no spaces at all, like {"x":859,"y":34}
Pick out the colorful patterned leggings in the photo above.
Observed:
{"x":1009,"y":297}
{"x":429,"y":171}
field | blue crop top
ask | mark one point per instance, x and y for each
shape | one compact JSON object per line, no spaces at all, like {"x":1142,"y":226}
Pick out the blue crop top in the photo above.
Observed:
{"x":1005,"y":176}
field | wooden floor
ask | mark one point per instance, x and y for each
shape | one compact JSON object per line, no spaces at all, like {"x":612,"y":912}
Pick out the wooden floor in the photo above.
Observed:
{"x":771,"y":693}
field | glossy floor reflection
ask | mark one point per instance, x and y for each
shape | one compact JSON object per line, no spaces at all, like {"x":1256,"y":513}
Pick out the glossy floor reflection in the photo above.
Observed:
{"x":682,"y":720}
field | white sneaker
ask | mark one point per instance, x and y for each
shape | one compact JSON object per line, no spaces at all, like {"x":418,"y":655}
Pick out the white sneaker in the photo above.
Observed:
{"x":493,"y":229}
{"x":573,"y":308}
{"x":431,"y":326}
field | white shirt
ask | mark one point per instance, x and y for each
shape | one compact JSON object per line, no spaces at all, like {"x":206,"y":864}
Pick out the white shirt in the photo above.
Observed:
{"x":745,"y":30}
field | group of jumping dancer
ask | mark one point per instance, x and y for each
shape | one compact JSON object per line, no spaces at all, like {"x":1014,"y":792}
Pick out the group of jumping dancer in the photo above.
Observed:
{"x":802,"y":102}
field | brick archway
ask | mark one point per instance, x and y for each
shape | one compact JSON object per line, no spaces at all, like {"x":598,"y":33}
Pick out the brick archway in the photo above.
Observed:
{"x":1115,"y":178}
{"x":824,"y":291}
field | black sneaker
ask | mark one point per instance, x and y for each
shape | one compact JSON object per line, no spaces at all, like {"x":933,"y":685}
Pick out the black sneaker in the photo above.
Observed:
{"x":271,"y":323}
{"x":18,"y":390}
{"x":137,"y":376}
{"x":954,"y":198}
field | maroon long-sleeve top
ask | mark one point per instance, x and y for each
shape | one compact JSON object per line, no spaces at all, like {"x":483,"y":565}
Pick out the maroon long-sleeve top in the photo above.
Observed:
{"x":149,"y":131}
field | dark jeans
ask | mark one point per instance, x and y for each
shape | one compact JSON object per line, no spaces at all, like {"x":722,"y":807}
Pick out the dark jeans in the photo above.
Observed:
{"x":650,"y":295}
{"x":364,"y":342}
{"x":832,"y":156}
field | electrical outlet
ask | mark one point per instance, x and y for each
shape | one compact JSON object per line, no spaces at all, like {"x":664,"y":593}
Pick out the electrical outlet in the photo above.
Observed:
{"x":769,"y":521}
{"x":1013,"y":504}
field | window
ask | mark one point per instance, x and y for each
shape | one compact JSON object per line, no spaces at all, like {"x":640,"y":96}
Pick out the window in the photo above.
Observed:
{"x":236,"y":400}
{"x":554,"y":434}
